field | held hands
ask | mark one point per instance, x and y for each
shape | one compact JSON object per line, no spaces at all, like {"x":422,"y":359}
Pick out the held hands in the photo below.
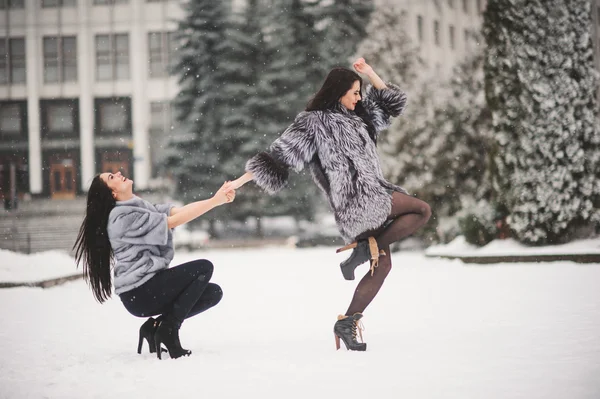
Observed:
{"x":361,"y":66}
{"x":225,"y":194}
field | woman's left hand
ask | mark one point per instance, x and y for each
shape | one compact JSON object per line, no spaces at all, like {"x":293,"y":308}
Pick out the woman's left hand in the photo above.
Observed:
{"x":361,"y":66}
{"x":230,"y":196}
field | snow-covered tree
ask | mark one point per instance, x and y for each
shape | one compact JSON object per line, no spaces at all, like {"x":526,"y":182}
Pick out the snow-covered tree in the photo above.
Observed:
{"x":343,"y":26}
{"x":252,"y":124}
{"x":540,"y":86}
{"x":200,"y":106}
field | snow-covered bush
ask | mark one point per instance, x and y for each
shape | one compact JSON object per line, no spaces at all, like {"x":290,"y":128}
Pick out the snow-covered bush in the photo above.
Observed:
{"x":541,"y":88}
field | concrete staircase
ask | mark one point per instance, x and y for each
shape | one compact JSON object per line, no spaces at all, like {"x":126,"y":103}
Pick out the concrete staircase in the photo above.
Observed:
{"x":42,"y":224}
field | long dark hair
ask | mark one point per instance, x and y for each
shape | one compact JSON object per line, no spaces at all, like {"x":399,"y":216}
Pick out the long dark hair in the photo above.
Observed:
{"x":337,"y":83}
{"x":92,"y":247}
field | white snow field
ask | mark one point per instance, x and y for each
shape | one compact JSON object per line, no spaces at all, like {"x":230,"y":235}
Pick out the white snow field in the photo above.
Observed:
{"x":438,"y":329}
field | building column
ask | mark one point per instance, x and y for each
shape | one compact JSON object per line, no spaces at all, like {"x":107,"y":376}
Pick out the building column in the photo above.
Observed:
{"x":85,"y":74}
{"x":32,"y":55}
{"x":139,"y":103}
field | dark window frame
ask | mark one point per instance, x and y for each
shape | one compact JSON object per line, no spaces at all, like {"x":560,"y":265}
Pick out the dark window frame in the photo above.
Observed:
{"x":161,"y":57}
{"x":421,"y":28}
{"x":12,"y":4}
{"x":98,"y":129}
{"x":58,"y":3}
{"x":23,"y":135}
{"x":11,"y":60}
{"x":61,"y":59}
{"x":50,"y":135}
{"x":113,"y":56}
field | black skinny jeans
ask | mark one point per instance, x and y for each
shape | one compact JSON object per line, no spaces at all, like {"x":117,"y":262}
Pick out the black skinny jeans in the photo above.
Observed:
{"x":176,"y":293}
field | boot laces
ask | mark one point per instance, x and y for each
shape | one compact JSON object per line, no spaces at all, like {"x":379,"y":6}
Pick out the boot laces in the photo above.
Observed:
{"x":358,"y":326}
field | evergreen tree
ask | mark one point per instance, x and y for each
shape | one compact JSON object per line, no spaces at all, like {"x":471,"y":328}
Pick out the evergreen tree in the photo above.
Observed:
{"x":540,"y":86}
{"x":195,"y":154}
{"x":293,"y":74}
{"x":344,"y":27}
{"x":250,"y":117}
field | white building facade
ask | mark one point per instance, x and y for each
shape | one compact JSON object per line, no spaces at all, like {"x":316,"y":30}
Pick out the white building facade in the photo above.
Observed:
{"x":446,"y":31}
{"x":84,"y":89}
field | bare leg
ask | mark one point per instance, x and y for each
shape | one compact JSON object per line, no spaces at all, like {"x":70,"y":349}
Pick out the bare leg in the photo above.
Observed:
{"x":408,"y":215}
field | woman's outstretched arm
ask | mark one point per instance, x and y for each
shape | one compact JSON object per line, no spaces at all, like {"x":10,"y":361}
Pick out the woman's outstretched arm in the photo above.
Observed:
{"x":196,"y":209}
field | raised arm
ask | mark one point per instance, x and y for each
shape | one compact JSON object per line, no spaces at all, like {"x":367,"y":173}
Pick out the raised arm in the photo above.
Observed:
{"x":382,"y":101}
{"x":362,"y":67}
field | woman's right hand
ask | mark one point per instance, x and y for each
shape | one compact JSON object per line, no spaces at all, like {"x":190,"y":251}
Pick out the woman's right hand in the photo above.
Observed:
{"x":225,"y":194}
{"x":239,"y":182}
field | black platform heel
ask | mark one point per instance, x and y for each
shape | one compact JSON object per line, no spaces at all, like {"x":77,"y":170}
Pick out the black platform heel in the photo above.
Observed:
{"x":363,"y":250}
{"x":168,"y":333}
{"x":346,"y":329}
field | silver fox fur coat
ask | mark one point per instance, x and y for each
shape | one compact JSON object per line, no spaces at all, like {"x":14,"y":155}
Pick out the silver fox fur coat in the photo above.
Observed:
{"x":342,"y":158}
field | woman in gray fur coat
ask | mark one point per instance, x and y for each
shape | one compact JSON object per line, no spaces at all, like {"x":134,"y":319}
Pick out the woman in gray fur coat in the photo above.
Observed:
{"x":122,"y":230}
{"x":336,"y":137}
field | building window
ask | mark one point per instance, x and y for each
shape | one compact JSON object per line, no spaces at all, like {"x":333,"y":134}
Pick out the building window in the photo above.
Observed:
{"x":451,"y":3}
{"x":465,"y":4}
{"x":467,"y":39}
{"x":161,"y":50}
{"x":59,"y":118}
{"x":12,"y":4}
{"x":420,"y":28}
{"x":3,"y":62}
{"x":436,"y":32}
{"x":451,"y":37}
{"x":161,"y":125}
{"x":59,"y":3}
{"x":107,"y":2}
{"x":479,"y":10}
{"x":113,"y":116}
{"x":60,"y":59}
{"x":12,"y":60}
{"x":13,"y":121}
{"x":112,"y":57}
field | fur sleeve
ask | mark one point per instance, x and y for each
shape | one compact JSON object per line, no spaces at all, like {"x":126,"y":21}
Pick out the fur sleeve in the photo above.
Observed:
{"x":293,"y":149}
{"x":384,"y":104}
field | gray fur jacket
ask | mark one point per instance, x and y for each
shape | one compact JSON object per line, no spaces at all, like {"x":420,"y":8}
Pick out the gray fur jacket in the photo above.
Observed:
{"x":342,"y":158}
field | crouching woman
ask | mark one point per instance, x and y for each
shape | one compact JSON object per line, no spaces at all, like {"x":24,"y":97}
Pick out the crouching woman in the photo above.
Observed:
{"x":122,"y":230}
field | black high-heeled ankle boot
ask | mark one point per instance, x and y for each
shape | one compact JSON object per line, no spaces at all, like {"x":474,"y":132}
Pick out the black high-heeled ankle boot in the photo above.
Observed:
{"x":168,"y":333}
{"x":362,"y":252}
{"x":147,"y":331}
{"x":346,"y":328}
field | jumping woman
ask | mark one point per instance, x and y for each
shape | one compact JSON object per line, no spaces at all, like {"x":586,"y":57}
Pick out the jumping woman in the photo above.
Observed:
{"x":136,"y":236}
{"x":336,"y":137}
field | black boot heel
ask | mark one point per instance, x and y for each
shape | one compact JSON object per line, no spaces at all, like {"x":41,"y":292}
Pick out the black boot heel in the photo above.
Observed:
{"x":362,"y":252}
{"x":168,"y":333}
{"x":346,"y":329}
{"x":147,"y":331}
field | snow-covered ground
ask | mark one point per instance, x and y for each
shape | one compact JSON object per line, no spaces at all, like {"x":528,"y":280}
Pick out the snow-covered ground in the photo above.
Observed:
{"x":18,"y":268}
{"x":438,"y":329}
{"x":510,"y":247}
